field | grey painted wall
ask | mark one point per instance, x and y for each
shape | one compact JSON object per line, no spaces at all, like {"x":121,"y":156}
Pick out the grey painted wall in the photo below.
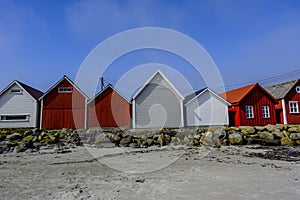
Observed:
{"x":158,"y":105}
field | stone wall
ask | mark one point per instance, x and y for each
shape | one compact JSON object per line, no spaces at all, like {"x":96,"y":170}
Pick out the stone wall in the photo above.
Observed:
{"x":216,"y":136}
{"x":33,"y":140}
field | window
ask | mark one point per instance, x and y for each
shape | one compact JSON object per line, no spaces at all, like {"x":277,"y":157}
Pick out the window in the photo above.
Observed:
{"x":65,"y":90}
{"x":14,"y":118}
{"x":298,"y":89}
{"x":249,"y":112}
{"x":266,"y":111}
{"x":294,"y":107}
{"x":16,"y":91}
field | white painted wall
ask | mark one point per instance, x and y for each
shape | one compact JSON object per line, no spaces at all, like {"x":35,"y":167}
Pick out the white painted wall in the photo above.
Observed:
{"x":205,"y":110}
{"x":18,"y":104}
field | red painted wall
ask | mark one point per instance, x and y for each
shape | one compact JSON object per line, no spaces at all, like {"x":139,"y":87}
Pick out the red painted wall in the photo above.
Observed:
{"x":59,"y":111}
{"x":257,"y":98}
{"x":109,"y":109}
{"x":292,"y":96}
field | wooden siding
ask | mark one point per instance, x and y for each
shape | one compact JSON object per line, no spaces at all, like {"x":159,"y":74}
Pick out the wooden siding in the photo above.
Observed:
{"x":18,"y":104}
{"x":292,"y":118}
{"x":206,"y":109}
{"x":257,"y":98}
{"x":158,"y":106}
{"x":63,"y":110}
{"x":109,"y":109}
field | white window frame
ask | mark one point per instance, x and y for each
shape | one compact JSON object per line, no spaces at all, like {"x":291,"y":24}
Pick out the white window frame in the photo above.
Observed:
{"x":298,"y":89}
{"x":266,"y":111}
{"x":249,"y":112}
{"x":4,"y":116}
{"x":16,"y":91}
{"x":65,"y":90}
{"x":294,"y":107}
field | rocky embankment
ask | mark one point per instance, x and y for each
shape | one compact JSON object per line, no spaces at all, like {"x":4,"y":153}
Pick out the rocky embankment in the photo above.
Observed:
{"x":32,"y":140}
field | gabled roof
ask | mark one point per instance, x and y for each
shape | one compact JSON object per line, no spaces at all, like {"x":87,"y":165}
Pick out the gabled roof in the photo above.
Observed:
{"x":114,"y":89}
{"x":192,"y":96}
{"x":279,"y":91}
{"x":150,"y":79}
{"x":188,"y":99}
{"x":236,"y":96}
{"x":58,"y":82}
{"x":34,"y":93}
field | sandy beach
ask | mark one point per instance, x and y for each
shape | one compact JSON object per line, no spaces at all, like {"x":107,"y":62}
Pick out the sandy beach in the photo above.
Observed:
{"x":155,"y":173}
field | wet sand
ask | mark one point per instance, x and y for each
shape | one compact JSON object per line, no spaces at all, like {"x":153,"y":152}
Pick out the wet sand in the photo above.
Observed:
{"x":232,"y":172}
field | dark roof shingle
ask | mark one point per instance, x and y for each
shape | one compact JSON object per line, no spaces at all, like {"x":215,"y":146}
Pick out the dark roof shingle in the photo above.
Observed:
{"x":36,"y":94}
{"x":279,"y":91}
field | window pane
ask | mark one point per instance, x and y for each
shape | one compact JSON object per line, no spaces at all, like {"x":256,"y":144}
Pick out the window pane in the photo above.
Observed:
{"x":64,"y":90}
{"x":14,"y":117}
{"x":249,"y":112}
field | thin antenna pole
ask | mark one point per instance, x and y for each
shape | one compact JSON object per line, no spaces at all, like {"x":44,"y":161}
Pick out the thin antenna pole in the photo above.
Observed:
{"x":102,"y":83}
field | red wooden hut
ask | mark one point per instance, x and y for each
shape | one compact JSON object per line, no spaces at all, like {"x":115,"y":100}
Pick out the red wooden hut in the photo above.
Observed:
{"x":288,"y":95}
{"x":109,"y":108}
{"x":251,"y":105}
{"x":63,"y":106}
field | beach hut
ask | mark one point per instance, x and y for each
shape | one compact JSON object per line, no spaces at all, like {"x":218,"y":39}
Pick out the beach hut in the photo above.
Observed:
{"x":157,"y":104}
{"x":109,"y":108}
{"x":205,"y":108}
{"x":64,"y":106}
{"x":251,"y":105}
{"x":19,"y":106}
{"x":288,"y":95}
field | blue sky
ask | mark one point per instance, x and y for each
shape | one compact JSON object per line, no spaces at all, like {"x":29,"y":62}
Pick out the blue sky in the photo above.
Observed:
{"x":40,"y":41}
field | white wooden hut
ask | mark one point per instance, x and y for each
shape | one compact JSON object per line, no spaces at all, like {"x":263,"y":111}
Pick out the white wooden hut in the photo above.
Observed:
{"x":19,"y":106}
{"x":205,"y":108}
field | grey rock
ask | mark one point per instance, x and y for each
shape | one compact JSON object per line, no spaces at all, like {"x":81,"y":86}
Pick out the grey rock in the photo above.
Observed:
{"x":278,"y":134}
{"x":124,"y":142}
{"x":266,"y":135}
{"x":235,"y":138}
{"x":102,"y":141}
{"x":47,"y":147}
{"x":14,"y":136}
{"x":295,"y":136}
{"x":293,"y":129}
{"x":28,"y":150}
{"x":260,"y":128}
{"x":133,"y":145}
{"x":28,"y":133}
{"x":247,"y":129}
{"x":270,"y":127}
{"x":18,"y":149}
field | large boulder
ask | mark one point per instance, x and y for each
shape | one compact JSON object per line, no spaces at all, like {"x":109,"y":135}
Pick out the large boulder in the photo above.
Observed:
{"x":14,"y":136}
{"x":285,"y":141}
{"x":295,"y":136}
{"x":247,"y":130}
{"x":270,"y":127}
{"x":278,"y":134}
{"x":102,"y":141}
{"x":260,"y":128}
{"x":235,"y":138}
{"x":294,"y":129}
{"x":124,"y":142}
{"x":266,"y":135}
